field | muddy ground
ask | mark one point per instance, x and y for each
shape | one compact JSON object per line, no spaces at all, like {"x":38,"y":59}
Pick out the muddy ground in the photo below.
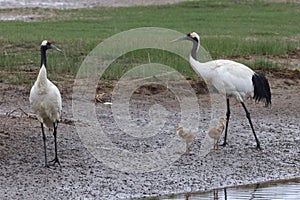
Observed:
{"x":23,"y":175}
{"x":82,"y":176}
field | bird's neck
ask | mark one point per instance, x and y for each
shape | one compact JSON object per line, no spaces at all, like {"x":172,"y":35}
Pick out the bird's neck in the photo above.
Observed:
{"x":222,"y":125}
{"x":222,"y":122}
{"x":202,"y":69}
{"x":42,"y":77}
{"x":43,"y":57}
{"x":195,"y":49}
{"x":180,"y":132}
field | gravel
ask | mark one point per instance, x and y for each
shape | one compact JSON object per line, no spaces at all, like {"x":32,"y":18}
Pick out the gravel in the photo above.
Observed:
{"x":83,"y":176}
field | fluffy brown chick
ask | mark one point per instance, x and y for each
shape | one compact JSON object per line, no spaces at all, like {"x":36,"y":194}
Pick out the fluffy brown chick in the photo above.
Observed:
{"x":188,"y":137}
{"x":216,"y":132}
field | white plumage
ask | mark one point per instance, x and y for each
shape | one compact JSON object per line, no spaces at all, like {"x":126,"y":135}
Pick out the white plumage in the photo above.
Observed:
{"x":231,"y":79}
{"x":228,"y":77}
{"x":45,"y":100}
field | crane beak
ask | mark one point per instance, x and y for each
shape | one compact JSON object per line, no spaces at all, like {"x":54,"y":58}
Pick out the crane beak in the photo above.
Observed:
{"x":55,"y":48}
{"x":181,"y":38}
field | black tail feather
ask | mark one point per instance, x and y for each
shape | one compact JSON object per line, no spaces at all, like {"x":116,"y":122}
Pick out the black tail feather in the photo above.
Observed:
{"x":261,"y":88}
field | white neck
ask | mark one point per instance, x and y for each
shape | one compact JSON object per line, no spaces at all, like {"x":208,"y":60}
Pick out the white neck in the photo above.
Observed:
{"x":42,"y":77}
{"x":202,"y":69}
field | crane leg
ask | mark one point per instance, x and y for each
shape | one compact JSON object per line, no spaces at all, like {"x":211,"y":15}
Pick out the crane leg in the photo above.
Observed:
{"x":227,"y":121}
{"x":45,"y":148}
{"x":250,"y":122}
{"x":55,"y":160}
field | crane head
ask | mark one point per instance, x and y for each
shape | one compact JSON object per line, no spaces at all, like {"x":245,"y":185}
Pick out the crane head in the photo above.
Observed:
{"x":46,"y":44}
{"x":192,"y":36}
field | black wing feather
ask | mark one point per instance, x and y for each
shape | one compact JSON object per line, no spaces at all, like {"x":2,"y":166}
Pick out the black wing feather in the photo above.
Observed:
{"x":261,"y":88}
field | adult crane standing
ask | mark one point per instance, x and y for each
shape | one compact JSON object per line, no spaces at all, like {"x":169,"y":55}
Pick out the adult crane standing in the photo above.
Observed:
{"x":232,"y":79}
{"x":45,"y":100}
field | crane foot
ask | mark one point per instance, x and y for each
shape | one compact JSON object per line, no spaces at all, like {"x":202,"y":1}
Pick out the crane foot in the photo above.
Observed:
{"x":224,"y":144}
{"x":54,"y":161}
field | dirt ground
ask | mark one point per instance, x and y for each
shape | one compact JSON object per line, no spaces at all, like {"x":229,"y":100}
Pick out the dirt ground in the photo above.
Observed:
{"x":82,"y":176}
{"x":23,"y":175}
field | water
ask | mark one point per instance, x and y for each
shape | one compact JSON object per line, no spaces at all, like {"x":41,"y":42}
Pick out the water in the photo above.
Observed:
{"x":60,"y":4}
{"x":72,"y":4}
{"x":66,"y":4}
{"x":283,"y":189}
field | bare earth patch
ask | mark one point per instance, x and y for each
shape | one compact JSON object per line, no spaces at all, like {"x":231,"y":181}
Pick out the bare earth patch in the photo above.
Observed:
{"x":81,"y":175}
{"x":24,"y":176}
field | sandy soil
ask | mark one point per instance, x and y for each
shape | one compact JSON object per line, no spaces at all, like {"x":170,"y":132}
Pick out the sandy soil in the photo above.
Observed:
{"x":23,"y":175}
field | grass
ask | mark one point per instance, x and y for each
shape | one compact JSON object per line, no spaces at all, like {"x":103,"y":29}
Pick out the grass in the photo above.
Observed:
{"x":261,"y":64}
{"x":227,"y":29}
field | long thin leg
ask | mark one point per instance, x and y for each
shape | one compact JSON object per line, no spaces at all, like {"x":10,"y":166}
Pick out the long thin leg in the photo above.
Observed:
{"x":45,"y":148}
{"x":55,"y":160}
{"x":250,"y":122}
{"x":227,"y":121}
{"x":187,"y":151}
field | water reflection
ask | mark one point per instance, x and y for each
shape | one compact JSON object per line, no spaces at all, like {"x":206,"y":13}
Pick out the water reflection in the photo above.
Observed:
{"x":284,"y":189}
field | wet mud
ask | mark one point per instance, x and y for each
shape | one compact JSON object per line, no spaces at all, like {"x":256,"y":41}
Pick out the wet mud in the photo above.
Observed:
{"x":23,"y":175}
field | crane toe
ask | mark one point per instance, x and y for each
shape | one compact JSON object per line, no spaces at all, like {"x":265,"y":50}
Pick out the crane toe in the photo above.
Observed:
{"x":258,"y":147}
{"x":54,"y":161}
{"x":223,"y":144}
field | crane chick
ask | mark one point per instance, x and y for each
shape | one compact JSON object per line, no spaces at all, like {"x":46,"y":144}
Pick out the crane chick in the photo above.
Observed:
{"x":188,"y":137}
{"x":216,"y":132}
{"x":45,"y":100}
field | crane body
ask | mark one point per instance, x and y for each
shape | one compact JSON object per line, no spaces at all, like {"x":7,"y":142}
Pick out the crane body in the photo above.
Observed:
{"x":45,"y":100}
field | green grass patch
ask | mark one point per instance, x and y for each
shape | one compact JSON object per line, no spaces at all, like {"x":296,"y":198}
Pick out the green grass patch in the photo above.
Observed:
{"x":261,"y":64}
{"x":227,"y":28}
{"x":147,"y":56}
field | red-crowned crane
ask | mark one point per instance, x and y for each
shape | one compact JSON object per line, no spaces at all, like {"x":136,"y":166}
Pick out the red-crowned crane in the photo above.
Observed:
{"x":232,"y":79}
{"x":45,"y":100}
